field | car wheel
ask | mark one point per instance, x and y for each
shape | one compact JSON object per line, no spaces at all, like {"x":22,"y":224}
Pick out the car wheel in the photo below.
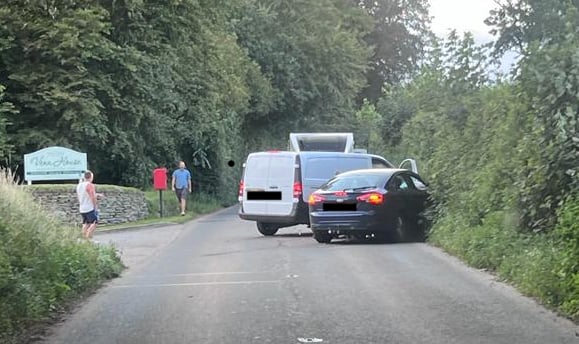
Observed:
{"x":267,"y":229}
{"x":322,"y":237}
{"x":399,"y":227}
{"x":394,"y":233}
{"x":414,"y":230}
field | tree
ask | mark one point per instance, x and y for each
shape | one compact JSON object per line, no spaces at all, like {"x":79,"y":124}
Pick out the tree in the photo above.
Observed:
{"x":545,"y":32}
{"x":367,"y":133}
{"x":6,"y":109}
{"x":520,"y":22}
{"x":400,"y":33}
{"x":314,"y":56}
{"x":47,"y":71}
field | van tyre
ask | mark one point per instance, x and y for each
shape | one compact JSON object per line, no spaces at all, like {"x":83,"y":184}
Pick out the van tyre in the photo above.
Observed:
{"x":267,"y":229}
{"x":322,"y":237}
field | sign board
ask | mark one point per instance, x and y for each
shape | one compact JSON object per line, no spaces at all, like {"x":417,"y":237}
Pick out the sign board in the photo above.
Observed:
{"x":54,"y":163}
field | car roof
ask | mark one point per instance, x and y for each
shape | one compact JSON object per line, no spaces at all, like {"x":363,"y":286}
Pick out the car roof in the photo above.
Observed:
{"x":375,"y":171}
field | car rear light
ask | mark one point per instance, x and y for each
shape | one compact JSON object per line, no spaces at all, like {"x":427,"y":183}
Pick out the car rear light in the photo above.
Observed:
{"x":314,"y":199}
{"x":241,"y":187}
{"x":372,"y":198}
{"x":341,"y":193}
{"x":297,"y":189}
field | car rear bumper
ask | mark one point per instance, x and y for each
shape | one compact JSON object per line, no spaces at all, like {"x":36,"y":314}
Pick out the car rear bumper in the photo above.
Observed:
{"x":346,"y":222}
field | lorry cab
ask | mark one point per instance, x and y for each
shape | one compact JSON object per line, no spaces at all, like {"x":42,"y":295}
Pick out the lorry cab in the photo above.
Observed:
{"x":321,"y":142}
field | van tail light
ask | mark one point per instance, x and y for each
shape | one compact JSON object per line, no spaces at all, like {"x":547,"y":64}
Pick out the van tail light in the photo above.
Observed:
{"x":373,"y":198}
{"x":297,"y":189}
{"x":314,"y":199}
{"x":241,"y":187}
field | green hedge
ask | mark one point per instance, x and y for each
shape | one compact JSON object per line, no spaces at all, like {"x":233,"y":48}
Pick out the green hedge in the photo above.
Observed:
{"x":545,"y":266}
{"x":43,"y":265}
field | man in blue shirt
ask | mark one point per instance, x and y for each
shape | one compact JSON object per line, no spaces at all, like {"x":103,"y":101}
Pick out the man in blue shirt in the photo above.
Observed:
{"x":181,"y":183}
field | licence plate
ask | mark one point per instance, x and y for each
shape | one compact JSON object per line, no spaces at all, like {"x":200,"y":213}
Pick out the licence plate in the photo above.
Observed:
{"x":264,"y":195}
{"x":339,"y":207}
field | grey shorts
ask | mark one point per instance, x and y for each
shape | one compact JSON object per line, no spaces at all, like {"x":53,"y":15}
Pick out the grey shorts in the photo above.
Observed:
{"x":181,"y":194}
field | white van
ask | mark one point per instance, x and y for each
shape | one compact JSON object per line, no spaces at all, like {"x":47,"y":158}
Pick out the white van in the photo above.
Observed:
{"x":275,"y":186}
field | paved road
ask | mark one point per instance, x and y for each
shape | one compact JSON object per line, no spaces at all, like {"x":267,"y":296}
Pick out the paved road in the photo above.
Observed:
{"x":217,"y":280}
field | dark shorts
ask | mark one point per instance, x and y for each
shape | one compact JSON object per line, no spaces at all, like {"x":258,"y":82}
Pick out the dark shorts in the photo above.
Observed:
{"x":89,"y":217}
{"x":181,"y":193}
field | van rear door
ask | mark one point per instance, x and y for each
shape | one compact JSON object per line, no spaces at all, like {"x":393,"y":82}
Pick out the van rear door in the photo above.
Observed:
{"x":282,"y":170}
{"x":316,"y":170}
{"x":268,"y":184}
{"x":255,"y":182}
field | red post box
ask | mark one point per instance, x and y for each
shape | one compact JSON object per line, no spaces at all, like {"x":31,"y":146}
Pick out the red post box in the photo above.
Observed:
{"x":160,"y":178}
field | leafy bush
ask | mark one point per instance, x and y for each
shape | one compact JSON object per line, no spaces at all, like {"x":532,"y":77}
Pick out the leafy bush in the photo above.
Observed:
{"x":567,"y":237}
{"x":42,"y":264}
{"x":545,"y":265}
{"x":500,"y":158}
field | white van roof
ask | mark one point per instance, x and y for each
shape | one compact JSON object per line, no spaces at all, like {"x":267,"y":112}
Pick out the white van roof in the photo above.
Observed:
{"x":273,"y":152}
{"x":321,"y":142}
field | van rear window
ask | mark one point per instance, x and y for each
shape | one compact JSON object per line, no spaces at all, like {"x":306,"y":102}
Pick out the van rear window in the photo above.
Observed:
{"x":257,"y":167}
{"x":325,"y":168}
{"x":322,"y":145}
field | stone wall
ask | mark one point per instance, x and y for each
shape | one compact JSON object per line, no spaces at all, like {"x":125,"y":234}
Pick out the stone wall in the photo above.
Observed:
{"x":118,"y":204}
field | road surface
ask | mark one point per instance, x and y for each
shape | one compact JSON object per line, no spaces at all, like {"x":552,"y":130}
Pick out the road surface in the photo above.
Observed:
{"x":216,"y":280}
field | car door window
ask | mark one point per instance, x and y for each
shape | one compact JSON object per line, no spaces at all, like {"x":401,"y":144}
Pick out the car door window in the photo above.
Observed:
{"x":408,"y":183}
{"x":402,"y":183}
{"x":419,"y":185}
{"x":397,"y":183}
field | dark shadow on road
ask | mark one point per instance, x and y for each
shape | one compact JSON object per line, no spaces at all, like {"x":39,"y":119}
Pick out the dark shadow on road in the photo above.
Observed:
{"x":346,"y":242}
{"x":294,"y":235}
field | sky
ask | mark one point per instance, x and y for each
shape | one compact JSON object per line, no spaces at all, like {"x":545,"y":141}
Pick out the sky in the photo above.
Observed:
{"x":463,"y":15}
{"x":466,"y":15}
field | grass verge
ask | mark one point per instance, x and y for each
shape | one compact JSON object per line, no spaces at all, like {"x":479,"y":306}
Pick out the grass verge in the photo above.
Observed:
{"x":197,"y":204}
{"x":543,"y":266}
{"x":43,"y":265}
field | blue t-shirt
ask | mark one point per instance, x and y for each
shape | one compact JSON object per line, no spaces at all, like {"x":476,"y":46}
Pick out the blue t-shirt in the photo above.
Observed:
{"x":181,"y":178}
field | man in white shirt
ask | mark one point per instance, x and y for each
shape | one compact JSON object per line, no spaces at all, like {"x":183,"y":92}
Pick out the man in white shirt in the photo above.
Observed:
{"x":88,"y":206}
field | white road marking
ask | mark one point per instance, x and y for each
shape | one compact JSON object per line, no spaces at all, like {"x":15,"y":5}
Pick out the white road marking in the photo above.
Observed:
{"x":204,"y":274}
{"x":310,"y":340}
{"x":191,"y":284}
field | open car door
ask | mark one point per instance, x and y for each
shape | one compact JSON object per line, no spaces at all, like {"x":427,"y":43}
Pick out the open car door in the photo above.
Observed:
{"x":412,"y":163}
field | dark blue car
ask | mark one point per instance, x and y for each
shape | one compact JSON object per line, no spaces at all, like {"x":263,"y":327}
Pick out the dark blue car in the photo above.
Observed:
{"x":386,"y":204}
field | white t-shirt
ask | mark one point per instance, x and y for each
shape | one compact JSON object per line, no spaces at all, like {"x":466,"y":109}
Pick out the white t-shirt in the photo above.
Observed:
{"x":85,"y":203}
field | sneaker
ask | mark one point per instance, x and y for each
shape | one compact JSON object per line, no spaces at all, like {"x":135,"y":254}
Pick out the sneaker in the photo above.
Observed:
{"x":182,"y":214}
